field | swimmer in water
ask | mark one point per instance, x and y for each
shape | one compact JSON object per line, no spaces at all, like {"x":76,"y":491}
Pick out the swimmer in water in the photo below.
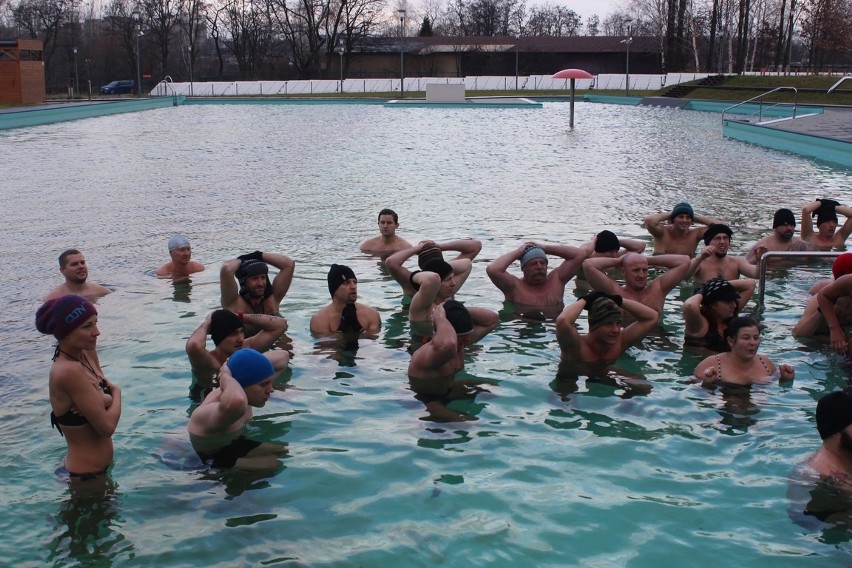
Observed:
{"x":439,"y":281}
{"x":780,"y":239}
{"x":388,"y":242}
{"x":85,"y":405}
{"x":606,"y":339}
{"x":344,"y":314}
{"x":181,"y":265}
{"x":428,"y":251}
{"x":433,"y":367}
{"x":829,"y":311}
{"x":707,"y":313}
{"x":227,"y":330}
{"x":72,"y":265}
{"x":741,"y":365}
{"x":255,"y":294}
{"x":715,"y":262}
{"x":827,"y":235}
{"x":636,"y":286}
{"x":673,"y":232}
{"x":216,"y":425}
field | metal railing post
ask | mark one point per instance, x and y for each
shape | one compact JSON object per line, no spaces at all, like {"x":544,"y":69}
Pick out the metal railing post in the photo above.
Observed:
{"x":761,"y":283}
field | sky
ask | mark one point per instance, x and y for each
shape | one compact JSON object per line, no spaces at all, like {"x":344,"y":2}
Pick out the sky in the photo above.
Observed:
{"x":588,"y":8}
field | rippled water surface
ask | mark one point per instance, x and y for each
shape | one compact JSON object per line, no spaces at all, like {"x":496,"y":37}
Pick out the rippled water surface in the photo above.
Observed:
{"x":604,"y":476}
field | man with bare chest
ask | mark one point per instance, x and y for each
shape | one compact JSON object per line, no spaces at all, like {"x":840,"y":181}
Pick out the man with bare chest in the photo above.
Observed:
{"x":678,"y":236}
{"x":537,"y":288}
{"x":715,"y":262}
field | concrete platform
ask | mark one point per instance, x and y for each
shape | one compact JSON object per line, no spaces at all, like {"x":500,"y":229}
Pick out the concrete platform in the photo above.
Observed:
{"x":824,"y":136}
{"x":834,"y":123}
{"x":469,"y":102}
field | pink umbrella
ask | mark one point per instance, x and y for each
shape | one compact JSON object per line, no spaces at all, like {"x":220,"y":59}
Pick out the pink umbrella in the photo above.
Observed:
{"x":572,"y":74}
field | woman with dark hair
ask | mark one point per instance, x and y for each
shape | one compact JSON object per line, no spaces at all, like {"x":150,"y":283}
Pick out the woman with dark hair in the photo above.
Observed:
{"x":741,"y":365}
{"x":706,"y":314}
{"x":85,"y":405}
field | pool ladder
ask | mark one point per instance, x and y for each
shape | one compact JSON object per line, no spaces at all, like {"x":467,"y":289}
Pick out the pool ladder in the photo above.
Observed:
{"x":784,"y":254}
{"x":758,"y":99}
{"x":168,"y":84}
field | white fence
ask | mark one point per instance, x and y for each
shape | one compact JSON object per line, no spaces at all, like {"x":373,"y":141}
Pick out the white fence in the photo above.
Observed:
{"x":412,"y":84}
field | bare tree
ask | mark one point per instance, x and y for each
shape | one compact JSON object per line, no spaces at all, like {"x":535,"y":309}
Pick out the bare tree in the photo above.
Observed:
{"x":214,"y":21}
{"x":160,"y":19}
{"x":827,"y":31}
{"x":46,"y":20}
{"x":249,"y":34}
{"x":191,"y":20}
{"x":593,"y":25}
{"x":550,"y":20}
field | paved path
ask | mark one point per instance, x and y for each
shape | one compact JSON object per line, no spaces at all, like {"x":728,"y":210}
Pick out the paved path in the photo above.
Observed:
{"x":834,"y":123}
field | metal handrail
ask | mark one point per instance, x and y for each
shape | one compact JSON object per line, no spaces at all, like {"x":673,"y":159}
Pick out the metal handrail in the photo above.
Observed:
{"x":169,"y":83}
{"x":837,"y":84}
{"x":760,"y":108}
{"x":785,"y":254}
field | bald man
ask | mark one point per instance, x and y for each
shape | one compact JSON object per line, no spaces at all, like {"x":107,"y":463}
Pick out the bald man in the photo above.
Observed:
{"x":635,"y":267}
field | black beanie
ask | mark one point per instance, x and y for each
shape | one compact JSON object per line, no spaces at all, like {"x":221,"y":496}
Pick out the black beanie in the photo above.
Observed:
{"x":459,"y":317}
{"x":715,"y":229}
{"x":222,"y":324}
{"x":833,"y":413}
{"x":439,"y":266}
{"x":337,"y":275}
{"x":783,"y":217}
{"x":606,"y":241}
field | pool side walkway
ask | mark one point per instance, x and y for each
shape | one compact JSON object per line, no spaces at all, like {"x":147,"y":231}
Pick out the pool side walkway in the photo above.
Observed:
{"x":823,"y":133}
{"x":61,"y":111}
{"x":824,"y":136}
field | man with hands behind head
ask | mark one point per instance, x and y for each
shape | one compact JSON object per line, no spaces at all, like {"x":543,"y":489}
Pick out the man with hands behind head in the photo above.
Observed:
{"x":678,"y":236}
{"x":537,"y":288}
{"x":227,"y":329}
{"x":217,"y":425}
{"x":827,"y":235}
{"x":606,"y":339}
{"x":255,"y":294}
{"x":634,"y":267}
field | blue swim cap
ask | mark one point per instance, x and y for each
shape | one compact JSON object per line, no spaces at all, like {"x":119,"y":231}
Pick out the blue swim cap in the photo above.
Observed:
{"x":249,"y":367}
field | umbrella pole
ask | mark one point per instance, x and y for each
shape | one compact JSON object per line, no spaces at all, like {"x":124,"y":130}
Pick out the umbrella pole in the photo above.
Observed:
{"x":571,"y":116}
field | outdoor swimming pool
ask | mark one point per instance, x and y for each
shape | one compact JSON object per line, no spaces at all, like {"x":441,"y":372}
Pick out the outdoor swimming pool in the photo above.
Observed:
{"x":601,"y":477}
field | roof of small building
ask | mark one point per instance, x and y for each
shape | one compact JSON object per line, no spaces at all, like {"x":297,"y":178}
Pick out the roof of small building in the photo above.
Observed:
{"x":539,"y":44}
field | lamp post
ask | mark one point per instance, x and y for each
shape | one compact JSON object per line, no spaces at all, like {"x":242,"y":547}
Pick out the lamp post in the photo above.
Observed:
{"x":76,"y":74}
{"x":189,"y":48}
{"x":627,"y":41}
{"x":401,"y":53}
{"x":137,"y":18}
{"x":341,"y":48}
{"x":790,"y":39}
{"x":89,"y":77}
{"x":517,"y":52}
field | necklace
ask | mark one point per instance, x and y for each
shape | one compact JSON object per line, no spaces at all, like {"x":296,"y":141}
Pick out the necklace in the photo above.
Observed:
{"x":83,"y":362}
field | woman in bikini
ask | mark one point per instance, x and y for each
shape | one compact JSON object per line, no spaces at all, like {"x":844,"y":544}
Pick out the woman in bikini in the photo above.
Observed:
{"x":85,"y":405}
{"x":741,"y":365}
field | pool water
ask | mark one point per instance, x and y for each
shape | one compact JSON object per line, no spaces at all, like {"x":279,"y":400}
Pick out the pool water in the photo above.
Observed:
{"x":591,"y":474}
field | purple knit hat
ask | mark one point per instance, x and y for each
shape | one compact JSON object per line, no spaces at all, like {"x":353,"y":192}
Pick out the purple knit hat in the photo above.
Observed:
{"x":63,"y":315}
